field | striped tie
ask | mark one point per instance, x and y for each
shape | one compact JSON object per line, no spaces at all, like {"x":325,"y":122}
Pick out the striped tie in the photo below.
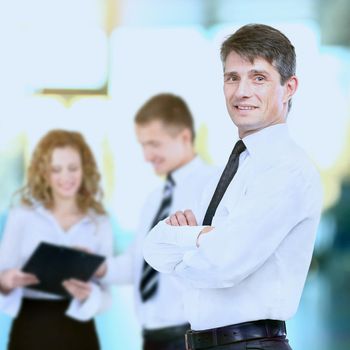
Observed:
{"x":149,"y":278}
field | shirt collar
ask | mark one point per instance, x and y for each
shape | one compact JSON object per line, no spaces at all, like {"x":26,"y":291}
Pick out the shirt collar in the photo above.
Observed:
{"x":181,"y":173}
{"x":39,"y":208}
{"x":267,"y":142}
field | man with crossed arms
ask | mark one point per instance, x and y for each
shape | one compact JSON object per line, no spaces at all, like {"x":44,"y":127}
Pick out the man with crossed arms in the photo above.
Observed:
{"x":246,"y":265}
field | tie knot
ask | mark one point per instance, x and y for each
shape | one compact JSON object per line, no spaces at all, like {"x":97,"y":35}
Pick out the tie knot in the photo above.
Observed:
{"x":170,"y":180}
{"x":169,"y":184}
{"x":239,"y":147}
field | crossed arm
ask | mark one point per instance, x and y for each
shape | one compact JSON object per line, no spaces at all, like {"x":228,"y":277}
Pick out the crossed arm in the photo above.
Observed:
{"x":245,"y":236}
{"x":187,"y":218}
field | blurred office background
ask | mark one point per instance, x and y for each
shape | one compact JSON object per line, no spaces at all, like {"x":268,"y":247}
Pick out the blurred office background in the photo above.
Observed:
{"x":88,"y":65}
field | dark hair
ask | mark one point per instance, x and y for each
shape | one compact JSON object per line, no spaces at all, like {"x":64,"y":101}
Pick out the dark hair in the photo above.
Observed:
{"x":170,"y":109}
{"x":258,"y":40}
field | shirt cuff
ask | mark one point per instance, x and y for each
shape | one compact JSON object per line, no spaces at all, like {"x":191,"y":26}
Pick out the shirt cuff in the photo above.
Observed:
{"x":10,"y":303}
{"x":87,"y":309}
{"x":185,"y":236}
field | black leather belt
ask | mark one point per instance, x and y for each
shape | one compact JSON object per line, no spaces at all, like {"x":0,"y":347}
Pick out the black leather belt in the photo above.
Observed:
{"x":235,"y":333}
{"x":166,"y":333}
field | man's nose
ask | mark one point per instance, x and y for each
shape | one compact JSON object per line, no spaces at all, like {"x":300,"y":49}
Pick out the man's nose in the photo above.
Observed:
{"x":148,"y":155}
{"x":244,"y":88}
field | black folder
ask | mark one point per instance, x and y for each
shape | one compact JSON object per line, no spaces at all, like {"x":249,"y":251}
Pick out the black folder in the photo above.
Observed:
{"x":52,"y":264}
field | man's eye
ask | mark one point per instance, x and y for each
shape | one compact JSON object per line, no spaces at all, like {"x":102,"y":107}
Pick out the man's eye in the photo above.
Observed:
{"x":259,"y":78}
{"x":155,"y":144}
{"x":230,"y":79}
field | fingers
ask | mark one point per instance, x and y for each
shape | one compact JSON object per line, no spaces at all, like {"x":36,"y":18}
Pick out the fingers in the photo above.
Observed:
{"x":82,"y":249}
{"x":207,"y":229}
{"x":191,"y":219}
{"x":78,"y":289}
{"x":180,"y":218}
{"x":25,"y":279}
{"x":14,"y":278}
{"x":101,"y":271}
{"x":173,"y":220}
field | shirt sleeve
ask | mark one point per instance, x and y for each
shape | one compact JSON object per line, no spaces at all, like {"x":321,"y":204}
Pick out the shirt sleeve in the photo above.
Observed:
{"x":120,"y":267}
{"x":10,"y":303}
{"x":100,"y":298}
{"x":243,"y":240}
{"x":9,"y":252}
{"x":164,"y":247}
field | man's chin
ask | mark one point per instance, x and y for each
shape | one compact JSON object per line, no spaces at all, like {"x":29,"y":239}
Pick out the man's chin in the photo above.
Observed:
{"x":159,"y":171}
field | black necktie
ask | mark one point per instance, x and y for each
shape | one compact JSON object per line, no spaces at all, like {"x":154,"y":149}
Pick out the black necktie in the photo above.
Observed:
{"x":225,"y":179}
{"x":149,"y":278}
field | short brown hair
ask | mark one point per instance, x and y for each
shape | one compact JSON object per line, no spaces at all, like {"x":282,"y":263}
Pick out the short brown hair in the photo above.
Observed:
{"x":170,"y":109}
{"x":258,"y":40}
{"x":37,"y":188}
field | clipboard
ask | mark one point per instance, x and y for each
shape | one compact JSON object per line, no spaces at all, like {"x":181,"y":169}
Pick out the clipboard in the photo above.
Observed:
{"x":53,"y":264}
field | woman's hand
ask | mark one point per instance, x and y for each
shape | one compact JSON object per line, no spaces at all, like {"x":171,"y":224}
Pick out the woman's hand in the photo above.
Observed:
{"x":78,"y":289}
{"x":14,"y":278}
{"x":101,"y":271}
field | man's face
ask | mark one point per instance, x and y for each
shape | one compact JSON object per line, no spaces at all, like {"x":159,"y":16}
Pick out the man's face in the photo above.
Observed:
{"x":255,"y":98}
{"x":164,"y":149}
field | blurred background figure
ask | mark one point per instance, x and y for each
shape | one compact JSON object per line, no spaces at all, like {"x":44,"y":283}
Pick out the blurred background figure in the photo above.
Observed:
{"x":165,"y":130}
{"x":89,"y":65}
{"x":59,"y":204}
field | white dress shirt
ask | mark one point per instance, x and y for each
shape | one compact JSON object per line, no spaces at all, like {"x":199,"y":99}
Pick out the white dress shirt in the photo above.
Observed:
{"x":165,"y":308}
{"x":26,"y":228}
{"x":254,"y":263}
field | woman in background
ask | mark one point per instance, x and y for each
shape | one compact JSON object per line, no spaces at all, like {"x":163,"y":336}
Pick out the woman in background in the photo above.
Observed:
{"x":60,"y":204}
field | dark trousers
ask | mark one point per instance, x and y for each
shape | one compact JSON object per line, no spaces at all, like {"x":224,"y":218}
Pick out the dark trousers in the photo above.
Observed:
{"x":42,"y":325}
{"x":262,"y":344}
{"x":170,"y":338}
{"x":173,"y":344}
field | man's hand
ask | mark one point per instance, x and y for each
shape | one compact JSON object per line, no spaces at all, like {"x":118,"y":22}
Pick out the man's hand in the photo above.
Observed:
{"x":14,"y":278}
{"x":187,"y":218}
{"x":78,"y":289}
{"x":205,"y":230}
{"x":180,"y":218}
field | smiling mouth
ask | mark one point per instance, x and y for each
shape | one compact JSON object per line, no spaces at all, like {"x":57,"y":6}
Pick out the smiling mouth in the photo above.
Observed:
{"x":67,"y":188}
{"x":245,"y":108}
{"x":156,"y":164}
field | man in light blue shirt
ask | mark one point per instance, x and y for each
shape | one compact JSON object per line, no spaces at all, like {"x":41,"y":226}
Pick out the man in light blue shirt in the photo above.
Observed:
{"x":247,"y":260}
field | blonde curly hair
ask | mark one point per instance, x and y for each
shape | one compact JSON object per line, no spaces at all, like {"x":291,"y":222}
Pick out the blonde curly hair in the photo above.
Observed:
{"x":37,"y":187}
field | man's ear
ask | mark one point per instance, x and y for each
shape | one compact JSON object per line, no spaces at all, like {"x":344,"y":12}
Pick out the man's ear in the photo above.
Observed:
{"x":291,"y":86}
{"x":186,"y":135}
